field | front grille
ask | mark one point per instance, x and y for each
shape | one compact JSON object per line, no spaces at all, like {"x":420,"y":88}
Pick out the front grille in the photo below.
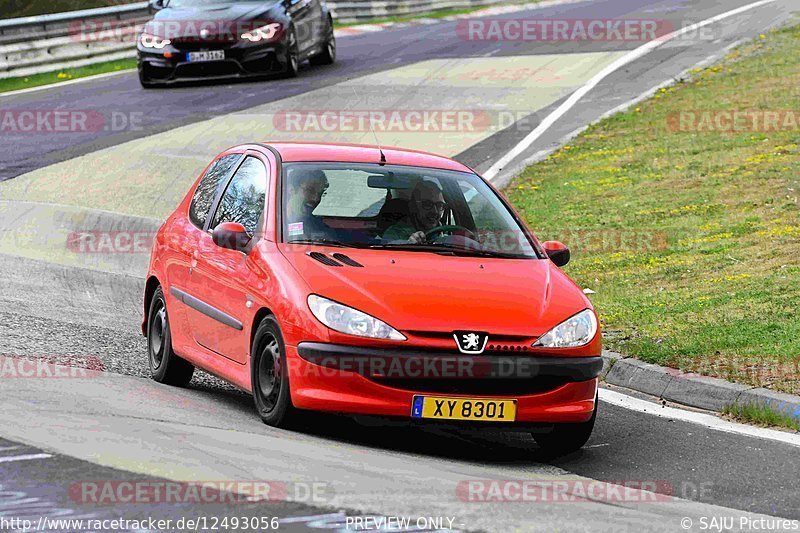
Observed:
{"x":195,"y":45}
{"x":262,"y":65}
{"x":207,"y":68}
{"x":478,"y":387}
{"x":157,"y":72}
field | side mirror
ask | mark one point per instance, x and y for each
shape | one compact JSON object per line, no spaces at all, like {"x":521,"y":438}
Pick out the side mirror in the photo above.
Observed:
{"x":557,"y":252}
{"x":231,"y":235}
{"x":156,"y":5}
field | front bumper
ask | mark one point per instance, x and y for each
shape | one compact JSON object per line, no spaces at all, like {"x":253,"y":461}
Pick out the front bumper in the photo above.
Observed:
{"x":369,"y":381}
{"x":240,"y":62}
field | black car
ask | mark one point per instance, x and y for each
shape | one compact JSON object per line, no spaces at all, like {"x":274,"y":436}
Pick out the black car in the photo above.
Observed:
{"x":203,"y":39}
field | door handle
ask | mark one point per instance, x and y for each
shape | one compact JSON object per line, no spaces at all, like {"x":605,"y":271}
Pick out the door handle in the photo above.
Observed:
{"x":194,"y":260}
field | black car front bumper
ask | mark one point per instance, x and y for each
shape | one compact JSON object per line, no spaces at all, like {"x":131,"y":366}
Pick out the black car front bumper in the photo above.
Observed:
{"x":240,"y":62}
{"x":454,"y":373}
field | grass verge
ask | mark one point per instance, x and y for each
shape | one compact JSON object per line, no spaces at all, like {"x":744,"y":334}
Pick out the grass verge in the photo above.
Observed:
{"x":690,"y":239}
{"x":760,"y":415}
{"x":47,"y":78}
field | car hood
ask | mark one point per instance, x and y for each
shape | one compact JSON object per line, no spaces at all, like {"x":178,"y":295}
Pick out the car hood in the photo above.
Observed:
{"x":416,"y":291}
{"x":217,"y":13}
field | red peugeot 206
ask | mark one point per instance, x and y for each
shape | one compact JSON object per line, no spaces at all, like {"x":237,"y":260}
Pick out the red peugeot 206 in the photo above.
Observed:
{"x":392,"y":283}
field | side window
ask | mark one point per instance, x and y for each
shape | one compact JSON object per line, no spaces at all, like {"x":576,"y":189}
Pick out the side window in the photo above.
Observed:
{"x":243,"y":201}
{"x":207,"y":189}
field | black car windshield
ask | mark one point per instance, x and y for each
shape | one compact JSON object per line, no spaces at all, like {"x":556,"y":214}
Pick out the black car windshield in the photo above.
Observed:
{"x":398,"y":207}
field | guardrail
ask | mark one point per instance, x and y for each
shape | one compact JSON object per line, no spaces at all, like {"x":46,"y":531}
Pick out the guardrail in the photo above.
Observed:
{"x":46,"y":43}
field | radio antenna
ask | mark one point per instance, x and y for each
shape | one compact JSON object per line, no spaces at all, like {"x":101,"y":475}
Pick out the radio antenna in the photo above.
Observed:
{"x":375,"y":135}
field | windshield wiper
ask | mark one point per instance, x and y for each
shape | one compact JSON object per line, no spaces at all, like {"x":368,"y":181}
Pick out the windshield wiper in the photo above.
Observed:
{"x":466,"y":250}
{"x":449,"y":249}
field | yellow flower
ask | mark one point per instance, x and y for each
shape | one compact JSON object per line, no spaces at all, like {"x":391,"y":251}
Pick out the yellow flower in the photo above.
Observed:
{"x":61,"y":75}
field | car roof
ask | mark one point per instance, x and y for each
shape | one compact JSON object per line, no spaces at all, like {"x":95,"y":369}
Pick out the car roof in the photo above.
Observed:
{"x":292,"y":152}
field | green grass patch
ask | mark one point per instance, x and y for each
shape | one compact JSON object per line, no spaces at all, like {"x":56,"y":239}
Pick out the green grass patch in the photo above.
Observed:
{"x":47,"y":78}
{"x":760,"y":415}
{"x":690,"y":240}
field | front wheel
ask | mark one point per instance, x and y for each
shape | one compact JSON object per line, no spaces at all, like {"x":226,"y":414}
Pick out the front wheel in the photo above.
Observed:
{"x":270,"y":375}
{"x":567,"y":438}
{"x":292,"y":59}
{"x":144,"y":81}
{"x":165,"y":365}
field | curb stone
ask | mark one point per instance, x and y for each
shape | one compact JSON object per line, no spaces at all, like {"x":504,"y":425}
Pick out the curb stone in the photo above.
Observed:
{"x":689,"y":389}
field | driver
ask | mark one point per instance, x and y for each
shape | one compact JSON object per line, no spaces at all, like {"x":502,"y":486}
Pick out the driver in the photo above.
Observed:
{"x":426,"y":208}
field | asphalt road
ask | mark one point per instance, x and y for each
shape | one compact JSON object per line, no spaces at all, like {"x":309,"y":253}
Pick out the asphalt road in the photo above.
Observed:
{"x":162,"y":110}
{"x":121,"y":426}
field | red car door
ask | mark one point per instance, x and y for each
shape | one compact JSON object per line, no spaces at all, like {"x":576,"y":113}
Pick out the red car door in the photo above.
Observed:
{"x":220,"y":277}
{"x":184,"y":232}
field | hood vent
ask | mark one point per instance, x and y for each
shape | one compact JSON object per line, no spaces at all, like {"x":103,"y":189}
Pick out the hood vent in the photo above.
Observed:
{"x":347,"y":261}
{"x":324,"y":259}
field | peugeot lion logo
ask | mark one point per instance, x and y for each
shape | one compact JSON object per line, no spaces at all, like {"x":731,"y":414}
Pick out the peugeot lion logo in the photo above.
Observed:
{"x":204,"y":33}
{"x":471,"y":342}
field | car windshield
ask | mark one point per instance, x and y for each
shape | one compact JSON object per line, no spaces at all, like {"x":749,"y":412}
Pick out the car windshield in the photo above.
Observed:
{"x":398,"y":207}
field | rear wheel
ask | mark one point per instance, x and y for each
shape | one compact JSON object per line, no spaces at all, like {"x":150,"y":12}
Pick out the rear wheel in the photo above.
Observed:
{"x":270,"y":375}
{"x":567,"y":438}
{"x":328,"y":54}
{"x":165,"y":365}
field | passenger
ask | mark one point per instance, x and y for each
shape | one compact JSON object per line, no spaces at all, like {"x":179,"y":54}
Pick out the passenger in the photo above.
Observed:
{"x":305,"y":194}
{"x":426,"y":208}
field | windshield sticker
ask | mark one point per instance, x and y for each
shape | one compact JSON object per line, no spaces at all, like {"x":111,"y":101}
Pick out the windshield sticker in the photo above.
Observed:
{"x":295,"y":229}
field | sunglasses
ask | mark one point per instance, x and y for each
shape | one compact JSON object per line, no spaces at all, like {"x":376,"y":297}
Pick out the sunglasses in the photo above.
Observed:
{"x":428,"y":205}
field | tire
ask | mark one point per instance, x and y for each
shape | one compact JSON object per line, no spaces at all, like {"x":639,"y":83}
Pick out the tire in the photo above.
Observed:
{"x":165,"y":365}
{"x":328,"y":54}
{"x":270,"y":377}
{"x":567,"y":438}
{"x":292,"y":59}
{"x":145,"y":82}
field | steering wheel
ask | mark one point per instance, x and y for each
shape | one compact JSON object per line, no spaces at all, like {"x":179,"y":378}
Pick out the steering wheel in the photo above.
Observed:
{"x":448,"y":229}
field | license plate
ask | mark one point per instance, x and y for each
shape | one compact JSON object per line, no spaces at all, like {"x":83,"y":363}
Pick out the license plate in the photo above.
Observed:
{"x":210,"y":55}
{"x":481,"y":409}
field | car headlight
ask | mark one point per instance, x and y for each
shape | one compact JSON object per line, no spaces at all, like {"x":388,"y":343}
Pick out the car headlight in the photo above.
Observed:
{"x":151,"y":41}
{"x":264,"y":33}
{"x":573,"y":332}
{"x":345,"y":319}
